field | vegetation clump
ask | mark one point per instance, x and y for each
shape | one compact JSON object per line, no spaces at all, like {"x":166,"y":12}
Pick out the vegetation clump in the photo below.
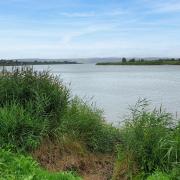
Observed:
{"x":86,"y":123}
{"x":31,"y":106}
{"x":20,"y":167}
{"x":150,"y":142}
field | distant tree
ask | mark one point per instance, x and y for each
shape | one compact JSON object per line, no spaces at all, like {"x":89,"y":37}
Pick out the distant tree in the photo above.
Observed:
{"x":132,"y":60}
{"x":124,"y":60}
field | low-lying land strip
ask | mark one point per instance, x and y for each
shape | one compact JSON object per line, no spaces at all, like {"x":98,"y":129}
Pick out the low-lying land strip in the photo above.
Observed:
{"x":35,"y":62}
{"x":143,"y":62}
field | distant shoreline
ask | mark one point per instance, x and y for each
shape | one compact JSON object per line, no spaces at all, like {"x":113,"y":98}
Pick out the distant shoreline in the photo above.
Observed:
{"x":25,"y":63}
{"x":143,"y":62}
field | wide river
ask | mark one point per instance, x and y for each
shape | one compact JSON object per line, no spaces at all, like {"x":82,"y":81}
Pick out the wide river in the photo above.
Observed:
{"x":114,"y":88}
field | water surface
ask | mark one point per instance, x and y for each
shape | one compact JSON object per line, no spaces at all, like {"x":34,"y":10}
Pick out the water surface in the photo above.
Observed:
{"x":114,"y":88}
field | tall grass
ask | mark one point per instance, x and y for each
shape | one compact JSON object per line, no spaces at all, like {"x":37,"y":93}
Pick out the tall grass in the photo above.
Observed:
{"x":19,"y":129}
{"x":152,"y":138}
{"x":31,"y":107}
{"x":86,"y":123}
{"x":41,"y":93}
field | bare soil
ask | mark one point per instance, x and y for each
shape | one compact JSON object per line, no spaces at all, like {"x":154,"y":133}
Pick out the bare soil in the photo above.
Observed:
{"x":56,"y":156}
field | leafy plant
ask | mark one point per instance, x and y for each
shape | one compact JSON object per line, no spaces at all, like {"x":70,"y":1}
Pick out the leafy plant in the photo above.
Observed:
{"x":152,"y":138}
{"x":86,"y":123}
{"x":19,"y":129}
{"x":19,"y":167}
{"x":40,"y":93}
{"x":158,"y":176}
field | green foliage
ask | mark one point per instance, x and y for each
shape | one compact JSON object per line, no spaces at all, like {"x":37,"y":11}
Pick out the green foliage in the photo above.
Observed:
{"x":39,"y":92}
{"x":31,"y":107}
{"x":152,"y":139}
{"x":36,"y":104}
{"x":19,"y":167}
{"x":174,"y":174}
{"x":86,"y":123}
{"x":19,"y":129}
{"x":158,"y":176}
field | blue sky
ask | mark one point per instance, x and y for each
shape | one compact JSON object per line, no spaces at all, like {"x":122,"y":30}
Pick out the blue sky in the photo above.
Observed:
{"x":89,"y":28}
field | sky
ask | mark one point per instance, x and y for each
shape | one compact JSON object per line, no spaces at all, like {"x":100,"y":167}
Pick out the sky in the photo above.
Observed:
{"x":89,"y":28}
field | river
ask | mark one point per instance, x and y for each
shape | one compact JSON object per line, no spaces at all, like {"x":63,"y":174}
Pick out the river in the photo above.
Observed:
{"x":114,"y":88}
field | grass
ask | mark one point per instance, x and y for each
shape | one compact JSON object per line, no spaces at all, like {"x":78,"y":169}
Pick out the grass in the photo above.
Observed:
{"x":159,"y":176}
{"x":150,"y":141}
{"x":40,"y":93}
{"x":31,"y":107}
{"x":86,"y":123}
{"x":36,"y":106}
{"x":19,"y":129}
{"x":19,"y":167}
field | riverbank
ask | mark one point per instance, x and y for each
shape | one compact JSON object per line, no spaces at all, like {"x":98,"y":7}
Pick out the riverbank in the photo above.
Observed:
{"x":66,"y":135}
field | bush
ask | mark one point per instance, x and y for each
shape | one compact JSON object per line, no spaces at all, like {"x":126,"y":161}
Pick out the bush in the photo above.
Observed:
{"x":19,"y":129}
{"x":39,"y":92}
{"x":151,"y":138}
{"x":86,"y":123}
{"x":14,"y":166}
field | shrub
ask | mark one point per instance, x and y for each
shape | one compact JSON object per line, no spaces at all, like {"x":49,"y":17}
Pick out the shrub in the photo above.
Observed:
{"x":14,"y":166}
{"x":19,"y":129}
{"x":150,"y":137}
{"x":86,"y":123}
{"x":40,"y":93}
